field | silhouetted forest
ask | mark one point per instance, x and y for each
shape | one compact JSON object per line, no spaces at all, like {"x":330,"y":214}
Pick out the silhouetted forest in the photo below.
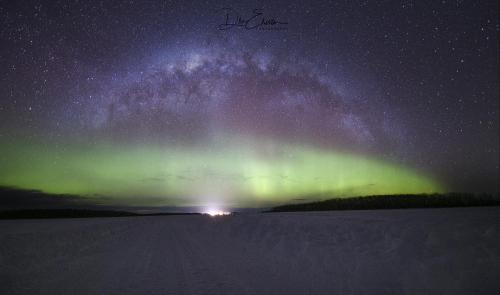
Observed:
{"x":394,"y":202}
{"x":75,"y":213}
{"x":21,"y":204}
{"x":62,"y":213}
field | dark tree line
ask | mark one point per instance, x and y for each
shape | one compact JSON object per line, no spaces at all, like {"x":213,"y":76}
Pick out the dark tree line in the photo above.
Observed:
{"x":395,"y":202}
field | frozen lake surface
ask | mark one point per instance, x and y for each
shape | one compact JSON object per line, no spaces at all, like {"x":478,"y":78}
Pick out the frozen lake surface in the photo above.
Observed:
{"x":421,"y":251}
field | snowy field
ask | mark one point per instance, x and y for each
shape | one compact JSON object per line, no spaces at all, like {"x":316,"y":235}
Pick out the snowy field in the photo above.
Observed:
{"x":421,"y":251}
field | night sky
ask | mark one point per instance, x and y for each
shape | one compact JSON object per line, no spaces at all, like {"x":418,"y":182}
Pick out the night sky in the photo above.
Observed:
{"x":183,"y":104}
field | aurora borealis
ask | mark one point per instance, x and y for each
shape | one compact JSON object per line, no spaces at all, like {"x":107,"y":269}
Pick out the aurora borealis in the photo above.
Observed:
{"x":230,"y":175}
{"x":123,"y":103}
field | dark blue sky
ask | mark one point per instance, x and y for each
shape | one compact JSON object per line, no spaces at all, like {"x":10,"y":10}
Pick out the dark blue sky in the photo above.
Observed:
{"x":414,"y":82}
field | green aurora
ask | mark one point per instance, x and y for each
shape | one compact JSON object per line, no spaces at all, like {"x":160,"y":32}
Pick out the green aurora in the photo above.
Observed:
{"x":234,"y":174}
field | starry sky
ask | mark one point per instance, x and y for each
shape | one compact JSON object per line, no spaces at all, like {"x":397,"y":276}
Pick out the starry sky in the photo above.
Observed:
{"x":230,"y":104}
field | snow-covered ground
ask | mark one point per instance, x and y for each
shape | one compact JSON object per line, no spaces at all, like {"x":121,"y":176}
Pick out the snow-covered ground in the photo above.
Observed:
{"x":422,"y":251}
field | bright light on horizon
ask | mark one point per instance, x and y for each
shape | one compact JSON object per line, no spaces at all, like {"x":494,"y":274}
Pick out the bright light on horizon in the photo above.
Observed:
{"x":216,"y":212}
